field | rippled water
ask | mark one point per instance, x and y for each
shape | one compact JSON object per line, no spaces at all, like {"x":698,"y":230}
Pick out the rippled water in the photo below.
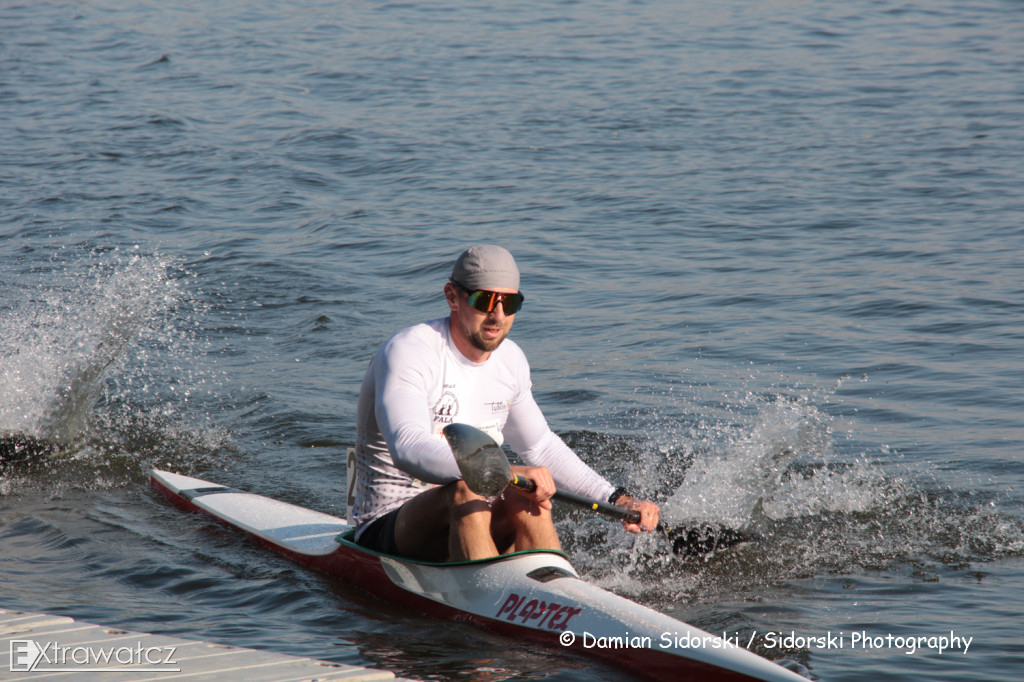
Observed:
{"x":770,"y":253}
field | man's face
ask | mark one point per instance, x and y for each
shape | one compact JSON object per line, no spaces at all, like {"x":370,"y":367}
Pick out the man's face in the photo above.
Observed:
{"x":483,"y":331}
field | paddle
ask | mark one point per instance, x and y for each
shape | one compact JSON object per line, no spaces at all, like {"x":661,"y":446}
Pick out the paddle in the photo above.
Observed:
{"x":486,"y":471}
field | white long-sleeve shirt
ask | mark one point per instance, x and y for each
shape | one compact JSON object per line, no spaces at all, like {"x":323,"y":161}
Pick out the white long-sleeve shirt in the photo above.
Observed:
{"x":419,"y":382}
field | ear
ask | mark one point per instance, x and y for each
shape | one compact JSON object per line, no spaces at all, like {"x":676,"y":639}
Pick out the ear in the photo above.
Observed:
{"x":452,"y":296}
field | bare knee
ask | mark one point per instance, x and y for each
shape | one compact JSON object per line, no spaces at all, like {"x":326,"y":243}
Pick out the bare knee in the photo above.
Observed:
{"x":521,"y":509}
{"x":523,"y":524}
{"x":464,"y":501}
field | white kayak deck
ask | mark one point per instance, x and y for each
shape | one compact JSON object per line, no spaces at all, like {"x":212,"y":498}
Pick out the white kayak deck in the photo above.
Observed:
{"x":286,"y":525}
{"x":39,"y":646}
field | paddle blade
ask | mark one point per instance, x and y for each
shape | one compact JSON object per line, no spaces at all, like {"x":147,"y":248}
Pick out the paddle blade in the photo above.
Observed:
{"x":704,"y":540}
{"x":16,"y":447}
{"x":483,"y":464}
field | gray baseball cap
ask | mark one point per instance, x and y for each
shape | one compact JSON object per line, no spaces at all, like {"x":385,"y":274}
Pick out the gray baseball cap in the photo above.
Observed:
{"x":486,"y":266}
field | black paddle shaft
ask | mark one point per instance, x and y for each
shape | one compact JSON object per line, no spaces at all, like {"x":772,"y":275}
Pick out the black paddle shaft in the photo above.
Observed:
{"x":614,"y":511}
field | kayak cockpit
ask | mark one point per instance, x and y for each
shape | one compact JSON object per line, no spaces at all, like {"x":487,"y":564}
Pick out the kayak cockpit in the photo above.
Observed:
{"x":348,"y":538}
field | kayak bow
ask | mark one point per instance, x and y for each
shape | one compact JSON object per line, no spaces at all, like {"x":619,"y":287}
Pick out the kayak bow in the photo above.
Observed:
{"x":535,"y":595}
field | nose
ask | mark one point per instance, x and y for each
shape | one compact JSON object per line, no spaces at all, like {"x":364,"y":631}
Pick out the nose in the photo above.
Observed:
{"x":498,"y":313}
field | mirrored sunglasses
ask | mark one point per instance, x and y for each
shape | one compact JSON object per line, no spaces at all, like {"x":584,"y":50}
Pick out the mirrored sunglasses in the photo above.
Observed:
{"x":485,"y":301}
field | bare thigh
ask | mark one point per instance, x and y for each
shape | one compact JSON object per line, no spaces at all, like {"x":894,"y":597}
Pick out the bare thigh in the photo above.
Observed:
{"x":424,"y":523}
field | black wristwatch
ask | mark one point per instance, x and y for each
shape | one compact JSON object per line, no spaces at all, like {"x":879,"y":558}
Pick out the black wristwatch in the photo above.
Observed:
{"x":619,"y":492}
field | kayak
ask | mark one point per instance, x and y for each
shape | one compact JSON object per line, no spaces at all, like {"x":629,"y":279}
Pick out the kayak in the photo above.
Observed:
{"x":533,"y":595}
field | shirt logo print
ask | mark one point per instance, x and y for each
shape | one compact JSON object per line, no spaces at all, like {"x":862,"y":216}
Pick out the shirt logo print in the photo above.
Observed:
{"x":446,"y":409}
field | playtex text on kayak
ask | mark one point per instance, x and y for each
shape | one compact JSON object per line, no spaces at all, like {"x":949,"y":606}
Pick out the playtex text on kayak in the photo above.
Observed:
{"x":908,"y":644}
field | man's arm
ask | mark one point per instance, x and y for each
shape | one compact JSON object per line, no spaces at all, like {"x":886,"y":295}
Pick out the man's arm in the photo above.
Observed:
{"x":403,"y":414}
{"x":528,"y":434}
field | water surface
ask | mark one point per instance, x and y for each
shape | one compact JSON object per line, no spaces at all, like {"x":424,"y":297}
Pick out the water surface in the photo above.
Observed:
{"x":771,"y":260}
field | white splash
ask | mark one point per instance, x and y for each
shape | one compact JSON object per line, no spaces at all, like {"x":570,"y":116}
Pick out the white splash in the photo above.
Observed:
{"x":733,"y":485}
{"x":59,"y":342}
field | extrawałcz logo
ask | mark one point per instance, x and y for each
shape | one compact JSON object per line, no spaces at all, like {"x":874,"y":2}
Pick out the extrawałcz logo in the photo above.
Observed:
{"x":30,"y":656}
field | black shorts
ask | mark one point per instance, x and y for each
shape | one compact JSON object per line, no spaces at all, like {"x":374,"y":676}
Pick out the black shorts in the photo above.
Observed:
{"x":380,"y":534}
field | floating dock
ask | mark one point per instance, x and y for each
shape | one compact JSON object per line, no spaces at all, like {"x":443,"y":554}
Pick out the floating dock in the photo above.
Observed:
{"x":40,"y":647}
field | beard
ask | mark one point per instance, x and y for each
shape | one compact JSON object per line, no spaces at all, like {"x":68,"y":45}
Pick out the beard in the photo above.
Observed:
{"x":486,"y":345}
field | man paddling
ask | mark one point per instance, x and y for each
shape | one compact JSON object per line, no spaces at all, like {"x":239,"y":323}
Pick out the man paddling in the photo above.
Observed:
{"x":410,"y":499}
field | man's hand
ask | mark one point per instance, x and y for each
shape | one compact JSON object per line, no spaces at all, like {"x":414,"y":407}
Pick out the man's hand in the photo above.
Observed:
{"x":649,"y":513}
{"x":542,"y":478}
